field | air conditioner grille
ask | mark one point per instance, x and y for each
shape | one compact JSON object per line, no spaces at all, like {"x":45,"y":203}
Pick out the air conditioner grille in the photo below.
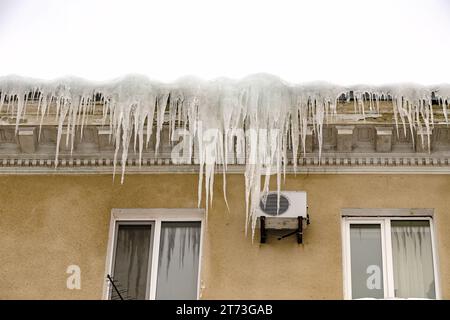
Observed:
{"x":271,"y":204}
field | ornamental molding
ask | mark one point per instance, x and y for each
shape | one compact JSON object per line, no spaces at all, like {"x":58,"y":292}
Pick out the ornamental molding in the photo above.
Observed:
{"x":355,"y":148}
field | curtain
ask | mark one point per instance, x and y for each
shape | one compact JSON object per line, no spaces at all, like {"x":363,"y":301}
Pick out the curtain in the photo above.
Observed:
{"x":131,"y":266}
{"x":412,"y":259}
{"x":178,"y":261}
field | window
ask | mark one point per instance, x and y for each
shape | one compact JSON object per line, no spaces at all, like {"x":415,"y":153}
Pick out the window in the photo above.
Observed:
{"x":389,"y":257}
{"x":154,"y":254}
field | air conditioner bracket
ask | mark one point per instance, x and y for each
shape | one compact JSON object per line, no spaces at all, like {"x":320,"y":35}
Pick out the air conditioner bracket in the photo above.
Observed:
{"x":298,"y":232}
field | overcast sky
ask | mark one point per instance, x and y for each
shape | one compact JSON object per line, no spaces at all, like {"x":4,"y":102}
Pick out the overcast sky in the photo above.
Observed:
{"x":345,"y":41}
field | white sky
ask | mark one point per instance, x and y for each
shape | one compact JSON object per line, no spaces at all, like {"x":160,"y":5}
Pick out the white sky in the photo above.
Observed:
{"x":345,"y":41}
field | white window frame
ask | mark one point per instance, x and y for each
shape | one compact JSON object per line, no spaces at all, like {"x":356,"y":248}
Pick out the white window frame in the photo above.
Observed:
{"x":386,"y":246}
{"x":157,"y":216}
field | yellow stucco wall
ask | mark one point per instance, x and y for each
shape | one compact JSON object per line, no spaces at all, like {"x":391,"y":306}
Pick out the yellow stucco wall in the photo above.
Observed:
{"x":50,"y":222}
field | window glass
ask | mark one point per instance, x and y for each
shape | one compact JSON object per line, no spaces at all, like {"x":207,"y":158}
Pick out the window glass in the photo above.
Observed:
{"x":178,"y":260}
{"x":412,"y":257}
{"x":131,"y":261}
{"x":366,"y":261}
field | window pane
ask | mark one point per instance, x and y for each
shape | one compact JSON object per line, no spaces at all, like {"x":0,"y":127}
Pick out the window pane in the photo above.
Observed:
{"x":413,"y":259}
{"x":131,"y":266}
{"x":178,"y":260}
{"x":366,"y":261}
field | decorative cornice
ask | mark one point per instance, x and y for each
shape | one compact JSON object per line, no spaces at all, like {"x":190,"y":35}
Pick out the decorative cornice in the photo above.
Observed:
{"x":356,"y":148}
{"x":417,"y":164}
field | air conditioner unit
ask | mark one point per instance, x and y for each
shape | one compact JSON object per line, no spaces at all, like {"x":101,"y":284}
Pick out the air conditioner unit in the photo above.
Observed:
{"x":291,"y":213}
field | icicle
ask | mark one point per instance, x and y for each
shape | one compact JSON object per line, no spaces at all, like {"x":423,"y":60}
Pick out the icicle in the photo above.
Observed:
{"x":257,"y":120}
{"x":2,"y":100}
{"x":442,"y":92}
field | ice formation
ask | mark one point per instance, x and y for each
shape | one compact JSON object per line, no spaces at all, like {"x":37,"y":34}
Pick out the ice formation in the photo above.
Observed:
{"x":260,"y":116}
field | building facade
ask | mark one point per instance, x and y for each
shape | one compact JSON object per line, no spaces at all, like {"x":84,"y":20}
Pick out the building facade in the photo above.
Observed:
{"x":377,"y":197}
